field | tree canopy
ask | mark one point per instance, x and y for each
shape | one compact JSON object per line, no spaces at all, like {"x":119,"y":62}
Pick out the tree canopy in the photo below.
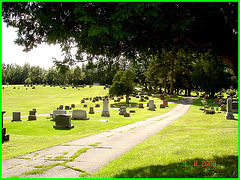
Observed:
{"x":127,"y":29}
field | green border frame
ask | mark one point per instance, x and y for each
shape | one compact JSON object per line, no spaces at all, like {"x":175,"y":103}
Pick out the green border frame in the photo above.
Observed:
{"x":116,"y":2}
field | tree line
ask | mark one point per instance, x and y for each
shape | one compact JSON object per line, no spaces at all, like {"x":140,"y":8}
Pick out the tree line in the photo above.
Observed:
{"x":168,"y":72}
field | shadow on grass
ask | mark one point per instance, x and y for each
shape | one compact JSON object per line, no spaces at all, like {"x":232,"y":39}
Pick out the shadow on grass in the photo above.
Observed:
{"x":225,"y":167}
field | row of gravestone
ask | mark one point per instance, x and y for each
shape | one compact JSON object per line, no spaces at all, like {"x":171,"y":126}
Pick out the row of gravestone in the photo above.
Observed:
{"x":231,"y":107}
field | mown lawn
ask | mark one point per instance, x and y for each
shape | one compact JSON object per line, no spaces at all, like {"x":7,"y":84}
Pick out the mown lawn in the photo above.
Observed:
{"x":209,"y":141}
{"x":30,"y":136}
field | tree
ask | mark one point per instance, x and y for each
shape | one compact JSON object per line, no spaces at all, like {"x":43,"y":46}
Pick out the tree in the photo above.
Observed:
{"x":126,"y":28}
{"x":28,"y":80}
{"x":209,"y":73}
{"x":123,"y":84}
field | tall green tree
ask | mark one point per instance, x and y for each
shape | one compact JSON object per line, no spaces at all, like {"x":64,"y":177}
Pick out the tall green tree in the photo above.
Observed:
{"x":123,"y":84}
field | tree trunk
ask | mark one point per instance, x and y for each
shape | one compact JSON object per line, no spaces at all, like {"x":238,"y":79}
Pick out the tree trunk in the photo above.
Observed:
{"x":171,"y":86}
{"x":165,"y":85}
{"x":127,"y":99}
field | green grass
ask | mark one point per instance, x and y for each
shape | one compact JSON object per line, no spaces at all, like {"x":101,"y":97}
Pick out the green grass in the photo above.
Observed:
{"x":46,"y":99}
{"x":193,"y":137}
{"x":30,"y":136}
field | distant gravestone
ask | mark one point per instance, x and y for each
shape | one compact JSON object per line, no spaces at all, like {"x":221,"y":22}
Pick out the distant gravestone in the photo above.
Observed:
{"x":79,"y":114}
{"x":83,"y":101}
{"x":63,"y":121}
{"x":67,"y":107}
{"x":72,"y":105}
{"x":91,"y":111}
{"x":126,"y":114}
{"x":223,"y":107}
{"x":16,"y":116}
{"x":122,"y":110}
{"x":55,"y":112}
{"x":140,"y":105}
{"x":151,"y":105}
{"x":165,"y":102}
{"x":132,"y":111}
{"x":97,"y":105}
{"x":85,"y":105}
{"x":162,"y":106}
{"x":229,"y":114}
{"x":61,"y":107}
{"x":105,"y":111}
{"x":102,"y":120}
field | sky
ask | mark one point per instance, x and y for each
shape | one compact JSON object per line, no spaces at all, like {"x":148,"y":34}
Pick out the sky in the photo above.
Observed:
{"x":40,"y":56}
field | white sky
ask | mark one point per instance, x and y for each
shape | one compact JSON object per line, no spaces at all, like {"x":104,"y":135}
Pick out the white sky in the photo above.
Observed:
{"x":40,"y":56}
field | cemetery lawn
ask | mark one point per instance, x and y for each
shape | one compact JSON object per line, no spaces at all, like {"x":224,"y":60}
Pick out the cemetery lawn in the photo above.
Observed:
{"x":30,"y":136}
{"x":194,"y":137}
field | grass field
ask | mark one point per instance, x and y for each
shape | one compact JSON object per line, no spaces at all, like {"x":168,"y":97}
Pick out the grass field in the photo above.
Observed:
{"x":193,"y":138}
{"x":29,"y":136}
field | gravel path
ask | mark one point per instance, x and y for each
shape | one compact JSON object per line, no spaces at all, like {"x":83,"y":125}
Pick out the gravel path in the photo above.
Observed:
{"x":101,"y":148}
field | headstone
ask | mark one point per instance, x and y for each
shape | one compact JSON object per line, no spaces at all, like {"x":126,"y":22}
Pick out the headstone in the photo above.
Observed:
{"x":85,"y":105}
{"x":18,"y":87}
{"x":61,"y":107}
{"x":105,"y":111}
{"x":5,"y":137}
{"x":146,"y":97}
{"x":55,"y":112}
{"x":142,"y":99}
{"x":151,"y":105}
{"x":83,"y":101}
{"x":235,"y":106}
{"x":126,"y":114}
{"x":140,"y":105}
{"x":32,"y":118}
{"x":33,"y":113}
{"x":162,"y":96}
{"x":93,"y":100}
{"x":34,"y":110}
{"x":102,"y":120}
{"x":162,"y":106}
{"x":97,"y":105}
{"x":223,"y":107}
{"x":63,"y":121}
{"x":67,"y":107}
{"x":60,"y":86}
{"x":229,"y":114}
{"x":165,"y":102}
{"x":16,"y":116}
{"x":122,"y":110}
{"x":132,"y":111}
{"x":130,"y":105}
{"x":72,"y":105}
{"x":216,"y":101}
{"x":111,"y":105}
{"x":91,"y":110}
{"x":79,"y":114}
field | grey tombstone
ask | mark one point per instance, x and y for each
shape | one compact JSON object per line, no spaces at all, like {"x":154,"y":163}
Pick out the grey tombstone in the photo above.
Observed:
{"x":151,"y":105}
{"x":235,"y":106}
{"x":105,"y":111}
{"x":229,"y":114}
{"x":79,"y":114}
{"x":122,"y":110}
{"x":63,"y":121}
{"x":55,"y":112}
{"x":16,"y":116}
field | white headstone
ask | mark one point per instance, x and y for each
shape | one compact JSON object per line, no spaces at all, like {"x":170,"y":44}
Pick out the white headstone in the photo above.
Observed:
{"x":122,"y":110}
{"x":151,"y":105}
{"x":59,"y":111}
{"x":79,"y":114}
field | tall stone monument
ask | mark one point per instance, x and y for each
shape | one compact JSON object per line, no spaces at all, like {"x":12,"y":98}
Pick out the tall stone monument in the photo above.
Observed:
{"x":105,"y":111}
{"x":229,"y":114}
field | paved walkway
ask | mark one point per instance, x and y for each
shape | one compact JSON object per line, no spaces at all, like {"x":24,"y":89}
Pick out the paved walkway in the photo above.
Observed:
{"x":101,"y":148}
